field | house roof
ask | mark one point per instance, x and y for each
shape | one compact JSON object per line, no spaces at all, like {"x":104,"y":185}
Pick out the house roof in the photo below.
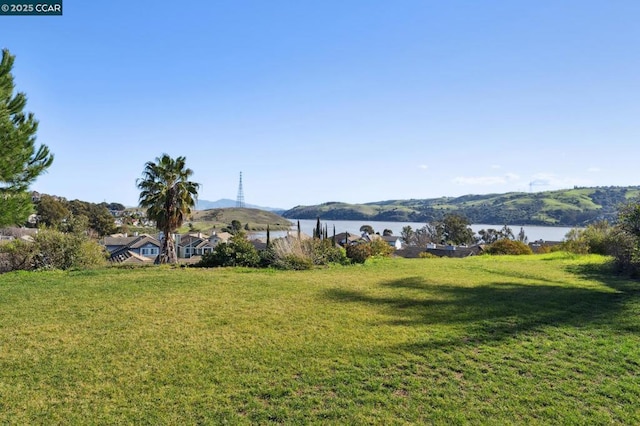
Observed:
{"x":455,"y":251}
{"x":294,"y":234}
{"x":132,"y":242}
{"x":190,"y":239}
{"x":370,"y":237}
{"x":409,"y":252}
{"x":121,"y":247}
{"x":204,"y":243}
{"x":127,"y":256}
{"x":259,"y":245}
{"x":118,"y":241}
{"x":352,"y":237}
{"x":224,"y":236}
{"x":144,"y":240}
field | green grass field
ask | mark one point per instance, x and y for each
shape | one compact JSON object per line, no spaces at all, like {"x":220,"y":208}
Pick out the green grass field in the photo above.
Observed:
{"x":549,"y":339}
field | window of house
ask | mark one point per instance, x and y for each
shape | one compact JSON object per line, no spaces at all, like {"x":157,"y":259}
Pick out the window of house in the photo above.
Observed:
{"x":149,"y":251}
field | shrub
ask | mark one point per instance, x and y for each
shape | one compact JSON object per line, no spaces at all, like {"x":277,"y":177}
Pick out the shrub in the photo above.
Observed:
{"x":324,"y":252}
{"x":90,"y":255}
{"x":238,"y":251}
{"x":53,"y":250}
{"x":293,"y":262}
{"x":359,"y":253}
{"x":625,"y":248}
{"x":17,"y":255}
{"x":599,"y":237}
{"x":267,"y":257}
{"x":574,"y":242}
{"x":546,"y":249}
{"x":314,"y":251}
{"x":427,"y":255}
{"x":381,"y":248}
{"x":57,"y":250}
{"x":506,"y":246}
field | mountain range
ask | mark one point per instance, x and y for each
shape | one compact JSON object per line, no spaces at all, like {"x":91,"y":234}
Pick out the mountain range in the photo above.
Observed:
{"x":226,"y":203}
{"x":570,"y":207}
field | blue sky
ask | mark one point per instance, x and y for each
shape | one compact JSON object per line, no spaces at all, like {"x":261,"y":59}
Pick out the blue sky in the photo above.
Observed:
{"x":353,"y":101}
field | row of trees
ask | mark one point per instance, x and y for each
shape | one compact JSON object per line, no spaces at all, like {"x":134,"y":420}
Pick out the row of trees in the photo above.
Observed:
{"x":74,"y":216}
{"x":453,"y":229}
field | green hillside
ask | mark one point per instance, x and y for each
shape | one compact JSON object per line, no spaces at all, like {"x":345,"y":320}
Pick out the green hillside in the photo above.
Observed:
{"x":220,"y":218}
{"x":570,"y":207}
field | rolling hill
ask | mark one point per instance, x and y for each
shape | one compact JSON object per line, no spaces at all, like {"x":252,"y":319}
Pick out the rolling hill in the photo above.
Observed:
{"x":226,"y":203}
{"x":570,"y":207}
{"x":219,"y":218}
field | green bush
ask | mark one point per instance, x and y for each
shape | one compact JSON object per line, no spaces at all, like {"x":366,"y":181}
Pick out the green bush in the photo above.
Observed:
{"x":506,"y":246}
{"x":267,"y":257}
{"x":574,"y":242}
{"x":359,"y":253}
{"x":293,"y":262}
{"x":625,"y":248}
{"x":53,"y":250}
{"x":599,"y":237}
{"x":427,"y":255}
{"x":17,"y":255}
{"x":380,"y":248}
{"x":238,"y":251}
{"x":90,"y":255}
{"x":324,"y":252}
{"x":315,"y":251}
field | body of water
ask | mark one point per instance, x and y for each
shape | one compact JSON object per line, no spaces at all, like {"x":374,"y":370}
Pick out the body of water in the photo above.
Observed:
{"x":533,"y":233}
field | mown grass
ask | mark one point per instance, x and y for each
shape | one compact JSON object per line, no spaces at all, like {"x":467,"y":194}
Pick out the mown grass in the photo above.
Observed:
{"x":550,"y":339}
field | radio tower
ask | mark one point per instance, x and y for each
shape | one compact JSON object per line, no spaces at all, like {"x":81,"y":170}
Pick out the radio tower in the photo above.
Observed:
{"x":240,"y":200}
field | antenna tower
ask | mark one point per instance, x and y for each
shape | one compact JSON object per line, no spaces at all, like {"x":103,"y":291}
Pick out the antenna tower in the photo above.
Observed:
{"x":240,"y":199}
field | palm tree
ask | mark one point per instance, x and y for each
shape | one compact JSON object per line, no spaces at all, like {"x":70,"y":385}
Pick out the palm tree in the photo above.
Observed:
{"x":168,"y":196}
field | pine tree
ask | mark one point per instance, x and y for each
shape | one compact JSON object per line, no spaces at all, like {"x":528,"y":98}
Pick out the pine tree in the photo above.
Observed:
{"x":20,"y":162}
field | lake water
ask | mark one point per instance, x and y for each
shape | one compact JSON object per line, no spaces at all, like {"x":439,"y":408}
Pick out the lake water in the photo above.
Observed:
{"x":533,"y":233}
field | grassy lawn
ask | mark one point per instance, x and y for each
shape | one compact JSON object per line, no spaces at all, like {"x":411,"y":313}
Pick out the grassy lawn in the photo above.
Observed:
{"x":500,"y":340}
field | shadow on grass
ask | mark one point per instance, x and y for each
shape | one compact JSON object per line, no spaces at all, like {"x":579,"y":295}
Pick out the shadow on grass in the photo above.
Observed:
{"x":497,"y":311}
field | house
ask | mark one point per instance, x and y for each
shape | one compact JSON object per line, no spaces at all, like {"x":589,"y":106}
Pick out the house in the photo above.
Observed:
{"x":259,"y":244}
{"x":197,"y":244}
{"x":393,"y":241}
{"x":219,"y":237}
{"x":136,"y":249}
{"x":188,"y":245}
{"x":409,"y":252}
{"x":345,"y":238}
{"x":542,"y":246}
{"x":11,"y":233}
{"x":442,"y":250}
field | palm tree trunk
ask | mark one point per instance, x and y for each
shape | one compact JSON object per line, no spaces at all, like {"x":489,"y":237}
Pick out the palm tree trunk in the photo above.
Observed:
{"x":168,"y":251}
